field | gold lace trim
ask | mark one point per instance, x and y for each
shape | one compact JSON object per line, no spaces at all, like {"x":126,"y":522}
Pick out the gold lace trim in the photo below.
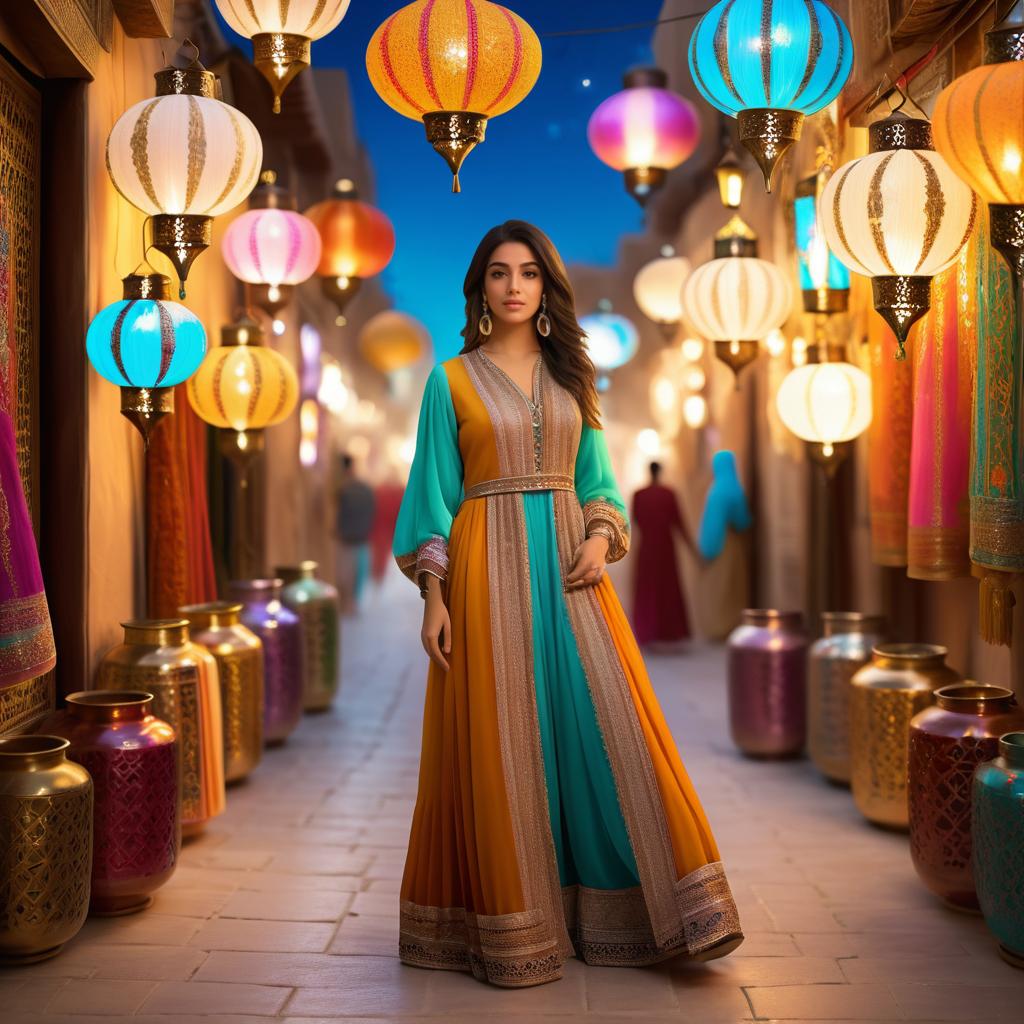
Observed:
{"x":521,"y":484}
{"x":604,"y":519}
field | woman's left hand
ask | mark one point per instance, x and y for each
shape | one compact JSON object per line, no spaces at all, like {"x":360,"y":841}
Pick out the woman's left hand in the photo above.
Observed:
{"x":589,"y":565}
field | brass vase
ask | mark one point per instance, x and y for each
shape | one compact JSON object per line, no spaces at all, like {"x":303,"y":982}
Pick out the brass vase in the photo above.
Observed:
{"x":843,"y":650}
{"x":217,"y":626}
{"x":316,"y":604}
{"x":898,"y":682}
{"x":45,"y":847}
{"x":158,"y":658}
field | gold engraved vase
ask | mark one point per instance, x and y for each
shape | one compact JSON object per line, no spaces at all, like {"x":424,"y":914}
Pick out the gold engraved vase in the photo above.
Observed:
{"x":898,"y":682}
{"x":158,"y":658}
{"x":45,"y":847}
{"x":239,"y":654}
{"x":316,"y":604}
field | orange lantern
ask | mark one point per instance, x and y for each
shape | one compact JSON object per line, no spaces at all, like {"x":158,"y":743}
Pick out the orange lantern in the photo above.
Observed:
{"x":391,"y":341}
{"x":357,"y":241}
{"x":453,"y":64}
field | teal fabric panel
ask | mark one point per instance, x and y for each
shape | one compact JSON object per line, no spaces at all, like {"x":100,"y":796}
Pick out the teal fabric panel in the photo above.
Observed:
{"x":591,"y":841}
{"x":594,"y":477}
{"x":434,"y":492}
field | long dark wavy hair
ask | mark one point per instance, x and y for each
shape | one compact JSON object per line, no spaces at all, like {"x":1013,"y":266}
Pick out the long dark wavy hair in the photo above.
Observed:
{"x":563,"y":350}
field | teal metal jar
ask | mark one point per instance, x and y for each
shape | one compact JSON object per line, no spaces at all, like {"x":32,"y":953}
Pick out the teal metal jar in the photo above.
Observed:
{"x":997,"y":833}
{"x":316,"y":604}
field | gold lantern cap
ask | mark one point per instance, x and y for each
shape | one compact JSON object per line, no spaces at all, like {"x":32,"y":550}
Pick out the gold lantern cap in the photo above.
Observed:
{"x":768,"y":134}
{"x":268,"y":195}
{"x":185,"y":75}
{"x":898,"y":131}
{"x":246,"y":330}
{"x":454,"y":134}
{"x":645,"y":78}
{"x":147,"y":286}
{"x":279,"y":57}
{"x":736,"y":238}
{"x":1005,"y":41}
{"x":146,"y":408}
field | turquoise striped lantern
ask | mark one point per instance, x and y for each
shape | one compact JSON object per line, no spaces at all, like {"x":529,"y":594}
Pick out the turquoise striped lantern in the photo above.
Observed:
{"x":770,"y":63}
{"x":145,"y":344}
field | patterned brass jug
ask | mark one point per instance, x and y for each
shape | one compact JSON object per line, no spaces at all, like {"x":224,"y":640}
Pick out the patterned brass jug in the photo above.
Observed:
{"x":898,"y":682}
{"x":316,"y":604}
{"x":239,"y":652}
{"x":158,"y":658}
{"x":45,"y":847}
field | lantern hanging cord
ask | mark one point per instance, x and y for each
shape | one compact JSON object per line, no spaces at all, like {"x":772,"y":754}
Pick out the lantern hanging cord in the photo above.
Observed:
{"x":632,"y":27}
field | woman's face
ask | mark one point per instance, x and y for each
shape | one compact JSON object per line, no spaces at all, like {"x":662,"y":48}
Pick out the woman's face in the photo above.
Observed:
{"x":513,"y":284}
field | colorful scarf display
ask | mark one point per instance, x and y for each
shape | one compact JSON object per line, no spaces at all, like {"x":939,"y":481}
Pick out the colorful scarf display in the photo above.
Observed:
{"x":945,"y":347}
{"x":997,"y":469}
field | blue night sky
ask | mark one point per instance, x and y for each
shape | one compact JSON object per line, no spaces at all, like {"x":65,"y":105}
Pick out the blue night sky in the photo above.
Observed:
{"x":535,"y":163}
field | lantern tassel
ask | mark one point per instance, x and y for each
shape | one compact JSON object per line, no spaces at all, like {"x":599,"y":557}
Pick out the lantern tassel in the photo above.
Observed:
{"x":996,"y":604}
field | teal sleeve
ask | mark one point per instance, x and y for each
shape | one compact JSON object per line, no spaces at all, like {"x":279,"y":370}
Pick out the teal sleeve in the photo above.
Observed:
{"x":604,"y":510}
{"x":434,"y":491}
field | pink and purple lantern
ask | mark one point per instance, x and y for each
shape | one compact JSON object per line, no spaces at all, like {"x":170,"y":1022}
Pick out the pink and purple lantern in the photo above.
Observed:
{"x":644,"y":131}
{"x":271,"y":247}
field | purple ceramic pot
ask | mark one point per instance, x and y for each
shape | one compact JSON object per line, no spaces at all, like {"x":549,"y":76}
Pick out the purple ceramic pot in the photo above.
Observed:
{"x":281,"y":633}
{"x":132,"y":757}
{"x":768,"y":683}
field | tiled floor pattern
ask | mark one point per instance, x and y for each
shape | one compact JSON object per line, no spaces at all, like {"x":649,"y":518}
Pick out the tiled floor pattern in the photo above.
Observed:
{"x":286,"y":907}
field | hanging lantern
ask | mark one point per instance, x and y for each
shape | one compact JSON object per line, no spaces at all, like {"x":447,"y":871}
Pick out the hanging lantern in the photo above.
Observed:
{"x":644,"y":131}
{"x":657,"y":287}
{"x":770,"y":63}
{"x":184,"y":157}
{"x":391,"y":341}
{"x":824,"y":280}
{"x":825,"y":404}
{"x":243,"y":387}
{"x":145,"y":344}
{"x":611,"y":340}
{"x":899,"y":216}
{"x":357,"y":241}
{"x":271,"y":247}
{"x":729,"y":175}
{"x":281,"y":33}
{"x":979,"y":131}
{"x":453,"y":64}
{"x":736,"y":299}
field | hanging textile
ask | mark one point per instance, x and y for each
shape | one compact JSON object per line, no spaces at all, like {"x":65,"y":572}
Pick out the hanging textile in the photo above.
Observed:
{"x":945,"y":352}
{"x":889,"y":438}
{"x":997,"y":470}
{"x":26,"y":636}
{"x":179,"y":554}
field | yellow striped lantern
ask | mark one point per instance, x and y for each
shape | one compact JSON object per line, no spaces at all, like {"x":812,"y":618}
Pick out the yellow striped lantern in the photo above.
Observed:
{"x":281,"y":32}
{"x":184,"y":157}
{"x":899,"y":215}
{"x":242,"y":387}
{"x":453,"y":64}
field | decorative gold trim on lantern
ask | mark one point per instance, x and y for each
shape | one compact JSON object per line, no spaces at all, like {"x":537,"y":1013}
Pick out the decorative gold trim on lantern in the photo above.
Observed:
{"x":1006,"y":232}
{"x":829,"y":457}
{"x":279,"y":57}
{"x":1003,"y":45}
{"x":185,"y":75}
{"x":341,"y":290}
{"x":268,"y":195}
{"x":181,"y":237}
{"x":901,"y":302}
{"x":897,"y":131}
{"x":156,"y":287}
{"x":454,"y":134}
{"x":144,"y":408}
{"x":271,"y":298}
{"x":241,"y":446}
{"x":737,"y":355}
{"x":826,"y":301}
{"x":643,"y":182}
{"x":768,"y":133}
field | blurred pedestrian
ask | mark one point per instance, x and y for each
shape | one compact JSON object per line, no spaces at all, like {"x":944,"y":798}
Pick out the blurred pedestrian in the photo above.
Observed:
{"x":356,"y":507}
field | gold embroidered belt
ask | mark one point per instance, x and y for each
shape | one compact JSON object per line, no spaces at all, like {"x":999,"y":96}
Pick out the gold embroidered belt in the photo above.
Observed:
{"x":519,"y":484}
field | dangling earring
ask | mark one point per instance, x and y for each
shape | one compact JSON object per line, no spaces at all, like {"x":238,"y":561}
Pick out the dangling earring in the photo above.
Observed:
{"x":543,"y":321}
{"x":486,"y":324}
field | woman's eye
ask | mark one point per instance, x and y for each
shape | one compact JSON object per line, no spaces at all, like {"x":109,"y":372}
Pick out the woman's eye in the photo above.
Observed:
{"x":530,"y":273}
{"x":496,"y":274}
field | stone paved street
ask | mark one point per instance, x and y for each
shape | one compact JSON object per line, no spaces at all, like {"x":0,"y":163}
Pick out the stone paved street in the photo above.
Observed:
{"x":287,"y":906}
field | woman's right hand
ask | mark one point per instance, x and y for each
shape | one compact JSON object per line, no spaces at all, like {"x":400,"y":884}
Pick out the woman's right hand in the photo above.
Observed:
{"x":436,"y":634}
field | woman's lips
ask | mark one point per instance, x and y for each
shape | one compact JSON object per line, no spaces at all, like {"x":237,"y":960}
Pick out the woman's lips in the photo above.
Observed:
{"x":513,"y":305}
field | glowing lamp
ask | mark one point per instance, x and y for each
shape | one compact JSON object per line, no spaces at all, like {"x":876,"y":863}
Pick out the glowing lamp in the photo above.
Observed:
{"x":357,"y":241}
{"x":271,"y":247}
{"x":281,"y":33}
{"x":729,"y":175}
{"x":695,"y":411}
{"x":145,"y":344}
{"x":644,"y":131}
{"x":770,"y":63}
{"x":657,"y":287}
{"x":184,"y":157}
{"x":611,"y":340}
{"x":391,"y":341}
{"x":453,"y":64}
{"x":825,"y":404}
{"x":824,"y":280}
{"x":978,"y":130}
{"x":242,"y":388}
{"x":899,"y":216}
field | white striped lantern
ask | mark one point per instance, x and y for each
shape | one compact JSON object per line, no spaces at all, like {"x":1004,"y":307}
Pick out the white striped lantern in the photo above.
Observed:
{"x":184,"y":157}
{"x":899,"y":215}
{"x":736,"y":300}
{"x":271,"y":247}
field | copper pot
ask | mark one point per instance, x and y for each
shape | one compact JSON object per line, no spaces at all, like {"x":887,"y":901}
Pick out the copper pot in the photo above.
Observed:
{"x":843,"y":650}
{"x":898,"y":682}
{"x":316,"y":604}
{"x":45,"y":847}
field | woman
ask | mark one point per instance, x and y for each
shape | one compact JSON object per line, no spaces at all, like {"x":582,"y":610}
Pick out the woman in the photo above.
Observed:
{"x":554,"y":816}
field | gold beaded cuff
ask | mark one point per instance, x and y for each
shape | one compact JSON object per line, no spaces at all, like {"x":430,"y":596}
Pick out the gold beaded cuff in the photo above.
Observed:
{"x":429,"y":559}
{"x":603,"y":519}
